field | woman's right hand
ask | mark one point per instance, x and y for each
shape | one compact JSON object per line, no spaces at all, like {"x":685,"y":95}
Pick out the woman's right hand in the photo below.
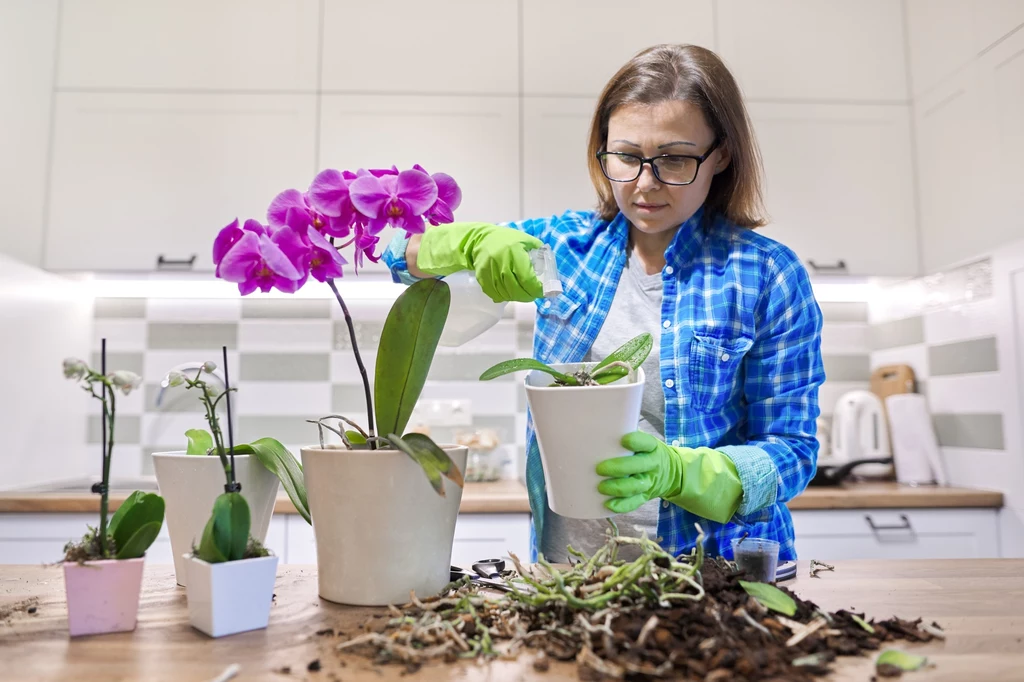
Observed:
{"x":497,"y":255}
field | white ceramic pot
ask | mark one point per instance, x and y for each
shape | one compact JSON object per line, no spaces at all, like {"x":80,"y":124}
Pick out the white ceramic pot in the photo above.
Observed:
{"x":230,"y":597}
{"x":103,"y":596}
{"x":189,"y":485}
{"x":577,"y":427}
{"x":381,"y":530}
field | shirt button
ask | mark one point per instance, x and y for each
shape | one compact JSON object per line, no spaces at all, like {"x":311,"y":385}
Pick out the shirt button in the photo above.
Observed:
{"x":676,"y":443}
{"x":669,"y":383}
{"x":546,"y":305}
{"x":661,"y":539}
{"x":666,"y":324}
{"x":669,"y":270}
{"x":665,"y":504}
{"x":725,"y":357}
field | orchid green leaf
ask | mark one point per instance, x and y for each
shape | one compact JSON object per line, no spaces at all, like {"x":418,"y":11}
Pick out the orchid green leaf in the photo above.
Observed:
{"x":136,"y":524}
{"x":902,"y":660}
{"x":523,"y":364}
{"x":407,"y":345}
{"x":278,"y":460}
{"x":607,"y":375}
{"x":428,"y":449}
{"x":199,"y":442}
{"x":633,"y":352}
{"x":355,"y":438}
{"x":425,"y":459}
{"x":863,"y":623}
{"x":770,"y":597}
{"x":227,"y":532}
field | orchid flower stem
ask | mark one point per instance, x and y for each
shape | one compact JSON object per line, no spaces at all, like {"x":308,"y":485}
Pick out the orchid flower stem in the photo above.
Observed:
{"x":108,"y":417}
{"x":359,"y":362}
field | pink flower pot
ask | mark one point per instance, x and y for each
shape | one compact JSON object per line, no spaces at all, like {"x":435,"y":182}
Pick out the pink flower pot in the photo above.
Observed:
{"x":103,"y":596}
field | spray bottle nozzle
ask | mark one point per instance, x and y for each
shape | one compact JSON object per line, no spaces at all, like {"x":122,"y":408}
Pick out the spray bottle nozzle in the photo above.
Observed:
{"x":543,"y":260}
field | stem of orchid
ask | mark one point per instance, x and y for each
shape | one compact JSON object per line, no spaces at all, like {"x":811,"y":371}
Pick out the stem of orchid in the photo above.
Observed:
{"x":105,"y":469}
{"x":107,"y":457}
{"x":359,"y":362}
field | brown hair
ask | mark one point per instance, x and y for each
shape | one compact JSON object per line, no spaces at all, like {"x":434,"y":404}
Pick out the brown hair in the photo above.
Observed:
{"x":693,"y":74}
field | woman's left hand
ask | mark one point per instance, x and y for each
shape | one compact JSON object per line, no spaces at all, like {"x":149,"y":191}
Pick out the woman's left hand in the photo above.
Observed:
{"x":700,"y":480}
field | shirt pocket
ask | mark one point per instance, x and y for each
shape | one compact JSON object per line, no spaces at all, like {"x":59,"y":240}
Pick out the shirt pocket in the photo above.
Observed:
{"x":714,"y":369}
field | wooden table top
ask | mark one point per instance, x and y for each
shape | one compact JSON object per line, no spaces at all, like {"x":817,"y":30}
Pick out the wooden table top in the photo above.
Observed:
{"x":980,"y":604}
{"x":510,"y":497}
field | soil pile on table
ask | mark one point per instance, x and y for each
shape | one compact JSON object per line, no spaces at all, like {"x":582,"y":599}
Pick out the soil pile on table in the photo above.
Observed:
{"x":656,"y":617}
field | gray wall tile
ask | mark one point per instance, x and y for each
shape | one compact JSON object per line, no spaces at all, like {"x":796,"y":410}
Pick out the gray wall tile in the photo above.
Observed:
{"x":466,"y":367}
{"x":847,"y":367}
{"x":284,"y":429}
{"x":367,"y":335}
{"x":180,"y":399}
{"x":963,"y":357}
{"x":291,"y":308}
{"x":524,"y":337}
{"x":896,"y":333}
{"x":285,"y":366}
{"x":844,"y":312}
{"x":349,"y":400}
{"x":204,"y":336}
{"x":983,"y":431}
{"x":127,"y":429}
{"x":115,"y":361}
{"x":119,"y":307}
{"x":504,"y":425}
{"x":521,"y":403}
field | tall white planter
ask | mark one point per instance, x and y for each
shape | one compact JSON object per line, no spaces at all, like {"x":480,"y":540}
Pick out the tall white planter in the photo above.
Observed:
{"x":577,"y":427}
{"x":232,"y":596}
{"x":189,"y":485}
{"x":381,"y":530}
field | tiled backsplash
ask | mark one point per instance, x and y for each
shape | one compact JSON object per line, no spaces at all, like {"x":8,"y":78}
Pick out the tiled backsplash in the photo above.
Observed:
{"x":291,"y":360}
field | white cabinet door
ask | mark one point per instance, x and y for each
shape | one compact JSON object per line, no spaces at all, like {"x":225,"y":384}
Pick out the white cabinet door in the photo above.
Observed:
{"x":896,"y":534}
{"x":555,"y":155}
{"x":189,"y":44}
{"x":840,"y":184}
{"x":490,"y":536}
{"x":572,"y":47}
{"x":140,"y":176}
{"x":449,"y":46}
{"x":473,"y":139}
{"x":28,"y":37}
{"x":994,"y":20}
{"x":808,"y":49}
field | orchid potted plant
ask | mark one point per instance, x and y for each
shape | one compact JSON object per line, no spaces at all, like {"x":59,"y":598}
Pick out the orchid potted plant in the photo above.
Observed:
{"x":580,"y":412}
{"x":189,"y":479}
{"x":381,"y":494}
{"x":103,"y":571}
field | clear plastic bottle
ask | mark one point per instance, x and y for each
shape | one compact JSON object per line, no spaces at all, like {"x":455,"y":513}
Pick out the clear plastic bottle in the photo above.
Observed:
{"x":472,"y":312}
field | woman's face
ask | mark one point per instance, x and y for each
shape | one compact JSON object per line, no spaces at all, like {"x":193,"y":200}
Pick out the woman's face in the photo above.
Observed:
{"x":652,"y":130}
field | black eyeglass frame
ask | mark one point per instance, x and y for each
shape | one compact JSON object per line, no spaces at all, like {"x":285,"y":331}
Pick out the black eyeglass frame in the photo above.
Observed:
{"x":640,"y":169}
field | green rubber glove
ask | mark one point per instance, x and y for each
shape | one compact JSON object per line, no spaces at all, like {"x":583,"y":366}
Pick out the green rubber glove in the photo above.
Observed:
{"x":498,"y":255}
{"x":700,"y":480}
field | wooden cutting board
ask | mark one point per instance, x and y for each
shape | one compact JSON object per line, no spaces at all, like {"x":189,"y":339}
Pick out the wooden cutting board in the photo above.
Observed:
{"x":893,"y":379}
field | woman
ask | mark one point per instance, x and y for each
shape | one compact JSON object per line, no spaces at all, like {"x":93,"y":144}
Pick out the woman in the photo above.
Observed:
{"x":727,"y":433}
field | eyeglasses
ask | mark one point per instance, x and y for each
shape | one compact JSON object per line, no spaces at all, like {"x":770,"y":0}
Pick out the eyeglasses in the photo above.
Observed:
{"x":670,"y":169}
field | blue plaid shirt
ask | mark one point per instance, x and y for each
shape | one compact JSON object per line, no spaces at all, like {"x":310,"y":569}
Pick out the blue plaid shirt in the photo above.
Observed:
{"x":740,"y":359}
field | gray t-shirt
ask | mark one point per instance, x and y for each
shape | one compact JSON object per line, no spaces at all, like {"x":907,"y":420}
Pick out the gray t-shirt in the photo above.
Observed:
{"x":636,"y":307}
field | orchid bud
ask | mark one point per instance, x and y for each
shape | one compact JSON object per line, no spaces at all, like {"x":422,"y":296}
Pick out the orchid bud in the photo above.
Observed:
{"x":74,"y":368}
{"x":209,"y":367}
{"x":173,"y":378}
{"x":125,"y":380}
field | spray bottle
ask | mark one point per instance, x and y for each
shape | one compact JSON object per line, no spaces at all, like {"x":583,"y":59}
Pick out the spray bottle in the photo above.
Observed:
{"x":472,"y":312}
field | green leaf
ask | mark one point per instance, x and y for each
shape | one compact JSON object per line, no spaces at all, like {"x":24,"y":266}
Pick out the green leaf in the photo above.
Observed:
{"x":355,"y":437}
{"x":136,"y":523}
{"x":770,"y":597}
{"x":199,"y":442}
{"x":227,"y":532}
{"x":279,"y":461}
{"x":430,"y":450}
{"x":427,"y":461}
{"x":633,"y":352}
{"x":607,"y":375}
{"x":522,"y":364}
{"x":903,"y":661}
{"x":863,"y":623}
{"x":407,"y":345}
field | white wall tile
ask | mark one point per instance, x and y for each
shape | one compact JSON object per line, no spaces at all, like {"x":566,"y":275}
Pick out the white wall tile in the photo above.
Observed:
{"x":844,"y":337}
{"x":831,"y":391}
{"x":194,"y":309}
{"x":167,"y":429}
{"x":489,"y":399}
{"x":157,"y":363}
{"x":284,"y":335}
{"x":916,"y":356}
{"x":123,"y":335}
{"x":306,"y":399}
{"x":501,"y":338}
{"x":970,"y":321}
{"x":126,"y":461}
{"x":344,"y":369}
{"x":132,"y":404}
{"x":970,"y":393}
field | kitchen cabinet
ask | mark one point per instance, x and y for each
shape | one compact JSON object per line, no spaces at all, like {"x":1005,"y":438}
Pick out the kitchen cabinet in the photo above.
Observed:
{"x":445,"y":46}
{"x":143,"y":176}
{"x":194,"y":45}
{"x":28,"y":37}
{"x":812,"y":50}
{"x":840,"y":184}
{"x":40,"y":538}
{"x":473,"y":139}
{"x":572,"y":47}
{"x":555,"y":173}
{"x":828,"y":535}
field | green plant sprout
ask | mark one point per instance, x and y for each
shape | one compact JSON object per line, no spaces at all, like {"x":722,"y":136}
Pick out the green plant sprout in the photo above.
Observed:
{"x":621,"y":362}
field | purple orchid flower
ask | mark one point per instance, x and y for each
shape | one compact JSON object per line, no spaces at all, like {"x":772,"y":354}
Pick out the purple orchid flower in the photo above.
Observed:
{"x":254,"y":259}
{"x":295,"y":209}
{"x":324,"y":261}
{"x":329,"y":196}
{"x":449,"y":196}
{"x":399,"y":200}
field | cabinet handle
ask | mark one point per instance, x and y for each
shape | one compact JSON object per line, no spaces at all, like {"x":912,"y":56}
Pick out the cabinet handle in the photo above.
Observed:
{"x":840,"y":266}
{"x":162,"y":262}
{"x":901,"y":526}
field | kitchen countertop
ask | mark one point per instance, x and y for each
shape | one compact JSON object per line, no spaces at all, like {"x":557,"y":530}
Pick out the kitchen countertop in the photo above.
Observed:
{"x":977,"y":602}
{"x":510,"y":497}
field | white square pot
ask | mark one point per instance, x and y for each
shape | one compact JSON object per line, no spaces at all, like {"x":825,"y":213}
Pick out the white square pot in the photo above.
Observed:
{"x":230,"y":597}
